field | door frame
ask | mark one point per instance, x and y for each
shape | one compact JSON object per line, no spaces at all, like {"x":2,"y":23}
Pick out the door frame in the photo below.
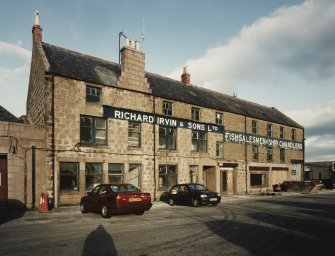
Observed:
{"x":3,"y":178}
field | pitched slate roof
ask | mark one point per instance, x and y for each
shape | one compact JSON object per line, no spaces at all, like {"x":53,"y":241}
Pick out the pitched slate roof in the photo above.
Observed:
{"x":6,"y":116}
{"x":67,"y":63}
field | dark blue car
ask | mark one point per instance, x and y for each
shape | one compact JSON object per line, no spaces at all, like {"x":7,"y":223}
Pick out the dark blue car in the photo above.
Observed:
{"x":193,"y":194}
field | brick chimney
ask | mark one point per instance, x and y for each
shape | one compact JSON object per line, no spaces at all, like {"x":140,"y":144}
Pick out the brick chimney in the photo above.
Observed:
{"x":186,"y":77}
{"x":133,"y":68}
{"x":37,"y":30}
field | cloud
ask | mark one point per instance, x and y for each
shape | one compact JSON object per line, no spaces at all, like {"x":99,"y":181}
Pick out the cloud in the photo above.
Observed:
{"x":14,"y":80}
{"x":287,"y":49}
{"x":16,"y":50}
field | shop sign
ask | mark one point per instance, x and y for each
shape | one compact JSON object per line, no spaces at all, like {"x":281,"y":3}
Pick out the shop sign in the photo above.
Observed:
{"x":142,"y":117}
{"x":252,"y":139}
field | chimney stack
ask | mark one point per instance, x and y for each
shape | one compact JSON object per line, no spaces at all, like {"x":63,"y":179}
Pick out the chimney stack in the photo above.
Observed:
{"x":186,"y":77}
{"x":133,"y":68}
{"x":37,"y":30}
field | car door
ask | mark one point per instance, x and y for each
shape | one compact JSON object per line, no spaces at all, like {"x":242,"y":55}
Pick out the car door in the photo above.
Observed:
{"x":93,"y":199}
{"x":102,"y":197}
{"x":183,"y":194}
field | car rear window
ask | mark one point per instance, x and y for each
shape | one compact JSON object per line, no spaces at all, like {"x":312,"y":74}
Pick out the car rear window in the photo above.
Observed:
{"x":124,"y":188}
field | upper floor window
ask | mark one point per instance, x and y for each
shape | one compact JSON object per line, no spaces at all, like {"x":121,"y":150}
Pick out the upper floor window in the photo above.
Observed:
{"x":219,"y":149}
{"x":255,"y":152}
{"x":254,"y":126}
{"x":195,"y":114}
{"x":294,"y":135}
{"x":93,"y":94}
{"x":93,"y":130}
{"x":269,"y":154}
{"x":199,"y":141}
{"x":282,"y":132}
{"x":167,"y":108}
{"x":167,"y":138}
{"x":219,"y":118}
{"x":282,"y":155}
{"x":269,"y":130}
{"x":134,"y":135}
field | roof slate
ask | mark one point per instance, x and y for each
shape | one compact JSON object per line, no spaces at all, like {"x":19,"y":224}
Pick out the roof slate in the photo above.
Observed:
{"x":6,"y":116}
{"x":71,"y":64}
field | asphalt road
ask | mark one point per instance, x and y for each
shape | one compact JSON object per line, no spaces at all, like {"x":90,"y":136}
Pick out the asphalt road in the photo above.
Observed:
{"x":280,"y":225}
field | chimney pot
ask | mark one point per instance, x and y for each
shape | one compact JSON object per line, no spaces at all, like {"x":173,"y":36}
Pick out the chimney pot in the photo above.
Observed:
{"x":37,"y":30}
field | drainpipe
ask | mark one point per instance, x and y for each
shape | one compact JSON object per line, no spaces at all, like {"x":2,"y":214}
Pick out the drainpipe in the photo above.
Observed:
{"x":53,"y":139}
{"x":245,"y":154}
{"x":303,"y":155}
{"x":33,"y":171}
{"x":155,"y":182}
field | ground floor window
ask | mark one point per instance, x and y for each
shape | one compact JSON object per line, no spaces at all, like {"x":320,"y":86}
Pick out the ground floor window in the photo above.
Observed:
{"x":167,"y":176}
{"x":93,"y":175}
{"x":258,"y":179}
{"x":194,"y":173}
{"x":69,"y":176}
{"x":134,"y":175}
{"x":115,"y":173}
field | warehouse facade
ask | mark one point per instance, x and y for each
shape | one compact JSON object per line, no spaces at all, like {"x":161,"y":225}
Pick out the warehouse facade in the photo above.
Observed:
{"x":109,"y":122}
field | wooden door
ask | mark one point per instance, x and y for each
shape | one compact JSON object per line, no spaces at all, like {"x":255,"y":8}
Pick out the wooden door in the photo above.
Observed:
{"x":3,"y":178}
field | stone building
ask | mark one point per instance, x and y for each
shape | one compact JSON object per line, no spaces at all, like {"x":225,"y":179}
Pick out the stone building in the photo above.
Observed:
{"x":109,"y":122}
{"x":22,"y":161}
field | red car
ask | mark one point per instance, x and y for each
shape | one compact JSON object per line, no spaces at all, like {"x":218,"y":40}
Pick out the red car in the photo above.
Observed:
{"x":115,"y":198}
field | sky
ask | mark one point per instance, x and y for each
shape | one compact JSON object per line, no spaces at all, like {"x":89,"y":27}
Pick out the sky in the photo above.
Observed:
{"x":277,"y":53}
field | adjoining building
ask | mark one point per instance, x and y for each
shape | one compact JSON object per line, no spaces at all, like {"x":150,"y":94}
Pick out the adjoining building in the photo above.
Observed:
{"x":22,"y":161}
{"x":110,"y":122}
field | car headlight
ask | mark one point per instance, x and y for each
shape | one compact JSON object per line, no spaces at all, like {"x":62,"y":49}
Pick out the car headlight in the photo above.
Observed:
{"x":203,"y":196}
{"x":218,"y":194}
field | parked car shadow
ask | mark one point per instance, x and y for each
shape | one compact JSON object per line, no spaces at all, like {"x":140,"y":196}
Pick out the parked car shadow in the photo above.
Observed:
{"x":11,"y":210}
{"x":99,"y":242}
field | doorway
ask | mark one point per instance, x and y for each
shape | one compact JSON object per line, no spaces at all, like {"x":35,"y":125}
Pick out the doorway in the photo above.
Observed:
{"x":223,"y":182}
{"x":3,"y":179}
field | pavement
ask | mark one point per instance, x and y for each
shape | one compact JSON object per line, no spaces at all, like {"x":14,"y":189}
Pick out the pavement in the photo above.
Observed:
{"x":159,"y":204}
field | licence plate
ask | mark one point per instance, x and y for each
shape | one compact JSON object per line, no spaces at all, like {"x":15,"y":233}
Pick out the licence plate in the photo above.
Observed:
{"x":134,"y":199}
{"x":213,"y":199}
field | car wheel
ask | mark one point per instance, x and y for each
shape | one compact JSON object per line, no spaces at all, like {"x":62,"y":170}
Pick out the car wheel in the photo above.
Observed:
{"x":105,"y":211}
{"x":171,"y":202}
{"x":83,"y":208}
{"x":195,"y":202}
{"x":139,"y":213}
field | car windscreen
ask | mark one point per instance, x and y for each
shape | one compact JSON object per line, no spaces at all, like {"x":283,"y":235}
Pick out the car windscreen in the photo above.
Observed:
{"x":124,"y":188}
{"x":197,"y":187}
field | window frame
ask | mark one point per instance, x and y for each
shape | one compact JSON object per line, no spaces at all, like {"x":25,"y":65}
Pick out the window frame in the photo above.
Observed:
{"x":198,"y":141}
{"x":218,"y":118}
{"x":167,"y":137}
{"x":195,"y":114}
{"x":261,"y":176}
{"x":136,"y":142}
{"x":294,"y":134}
{"x":97,"y":177}
{"x":269,"y":130}
{"x":93,"y":94}
{"x":282,"y":154}
{"x":93,"y":130}
{"x":166,"y":176}
{"x":269,"y":154}
{"x":219,"y":149}
{"x":254,"y":127}
{"x":118,"y":175}
{"x":75,"y":177}
{"x":130,"y":177}
{"x":282,"y":132}
{"x":255,"y":152}
{"x":167,"y":108}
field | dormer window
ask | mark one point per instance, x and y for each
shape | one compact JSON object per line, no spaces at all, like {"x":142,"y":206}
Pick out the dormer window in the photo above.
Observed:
{"x":93,"y":94}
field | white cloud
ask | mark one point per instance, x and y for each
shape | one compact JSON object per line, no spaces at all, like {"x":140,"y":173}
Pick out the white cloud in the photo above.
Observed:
{"x":286,"y":60}
{"x":14,"y":80}
{"x":15,"y":49}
